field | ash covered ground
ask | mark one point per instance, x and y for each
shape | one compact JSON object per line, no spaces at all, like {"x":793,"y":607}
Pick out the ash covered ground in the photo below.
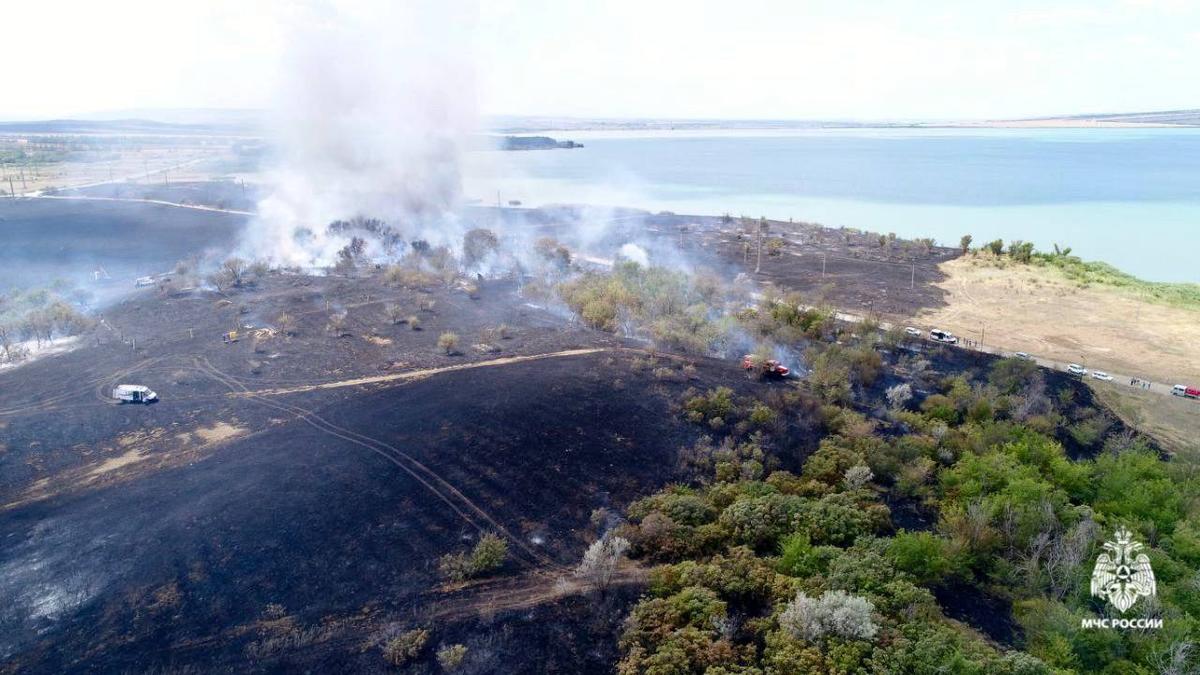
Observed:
{"x":284,"y":505}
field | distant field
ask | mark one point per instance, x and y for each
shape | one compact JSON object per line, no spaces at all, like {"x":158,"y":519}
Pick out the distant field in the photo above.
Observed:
{"x":1042,"y":311}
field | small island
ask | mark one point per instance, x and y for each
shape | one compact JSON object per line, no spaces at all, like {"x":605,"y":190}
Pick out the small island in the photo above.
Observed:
{"x":535,"y":143}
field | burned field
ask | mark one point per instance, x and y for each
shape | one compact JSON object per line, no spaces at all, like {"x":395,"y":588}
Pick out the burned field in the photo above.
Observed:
{"x":861,"y":272}
{"x":330,"y":453}
{"x":169,"y":534}
{"x":49,"y":239}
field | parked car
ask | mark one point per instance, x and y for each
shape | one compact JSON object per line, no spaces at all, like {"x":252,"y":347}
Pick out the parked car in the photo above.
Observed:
{"x":1185,"y":391}
{"x":939,"y":335}
{"x":134,"y":393}
{"x":915,"y":332}
{"x":1023,"y":355}
{"x":1076,"y":369}
{"x":1102,"y":376}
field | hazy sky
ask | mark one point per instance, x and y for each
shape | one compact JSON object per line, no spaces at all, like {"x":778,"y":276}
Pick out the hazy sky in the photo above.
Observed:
{"x":628,"y":58}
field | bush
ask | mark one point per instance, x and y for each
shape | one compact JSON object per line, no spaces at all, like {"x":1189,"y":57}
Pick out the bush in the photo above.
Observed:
{"x":835,"y":613}
{"x":413,"y":321}
{"x":286,"y":324}
{"x":394,"y":313}
{"x":403,"y":649}
{"x":488,"y":556}
{"x":928,"y":558}
{"x":451,"y":657}
{"x":601,"y":559}
{"x":448,"y":342}
{"x":477,"y":244}
{"x":899,"y":395}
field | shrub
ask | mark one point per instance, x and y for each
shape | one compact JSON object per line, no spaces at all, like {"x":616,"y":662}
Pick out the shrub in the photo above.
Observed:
{"x":835,"y":613}
{"x":408,"y":646}
{"x":451,"y":657}
{"x":337,"y":325}
{"x":601,"y":559}
{"x":928,"y":558}
{"x":858,"y":476}
{"x":488,"y":556}
{"x":286,"y":324}
{"x":899,"y":395}
{"x":413,"y":321}
{"x":477,"y":244}
{"x":448,"y":342}
{"x":394,"y":313}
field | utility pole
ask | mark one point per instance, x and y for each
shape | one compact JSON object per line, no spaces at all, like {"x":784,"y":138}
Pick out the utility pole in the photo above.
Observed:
{"x":822,"y":265}
{"x":912,"y":283}
{"x":762,"y":228}
{"x":12,"y":191}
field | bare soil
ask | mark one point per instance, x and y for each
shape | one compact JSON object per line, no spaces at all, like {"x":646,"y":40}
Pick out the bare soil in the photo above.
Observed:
{"x":1034,"y":310}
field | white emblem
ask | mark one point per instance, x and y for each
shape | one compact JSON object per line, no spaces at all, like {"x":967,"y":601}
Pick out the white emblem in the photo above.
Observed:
{"x":1124,"y":576}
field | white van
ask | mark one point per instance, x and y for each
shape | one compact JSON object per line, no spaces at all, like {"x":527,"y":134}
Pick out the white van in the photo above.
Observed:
{"x":133,"y":393}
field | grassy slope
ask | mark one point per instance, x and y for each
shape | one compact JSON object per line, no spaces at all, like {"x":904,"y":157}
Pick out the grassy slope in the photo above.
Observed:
{"x":1074,"y":312}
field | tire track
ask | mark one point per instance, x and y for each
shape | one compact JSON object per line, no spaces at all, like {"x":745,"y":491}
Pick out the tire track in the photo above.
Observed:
{"x":463,"y":506}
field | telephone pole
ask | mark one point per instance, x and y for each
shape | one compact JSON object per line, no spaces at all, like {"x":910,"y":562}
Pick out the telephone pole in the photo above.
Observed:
{"x":762,"y":228}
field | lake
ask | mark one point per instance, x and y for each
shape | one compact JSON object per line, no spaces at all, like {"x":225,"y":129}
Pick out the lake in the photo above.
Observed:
{"x":1130,"y":197}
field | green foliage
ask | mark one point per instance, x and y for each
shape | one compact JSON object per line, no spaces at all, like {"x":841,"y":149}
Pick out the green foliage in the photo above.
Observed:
{"x":451,"y":657}
{"x":1134,"y":486}
{"x":753,"y":561}
{"x":928,"y":558}
{"x":1012,"y":375}
{"x":489,"y":555}
{"x":669,"y":305}
{"x":406,"y":647}
{"x":760,"y":522}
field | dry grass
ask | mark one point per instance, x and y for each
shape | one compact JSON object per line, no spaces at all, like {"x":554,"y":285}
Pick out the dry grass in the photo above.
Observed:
{"x":1171,"y":420}
{"x":113,"y":463}
{"x":1038,"y":310}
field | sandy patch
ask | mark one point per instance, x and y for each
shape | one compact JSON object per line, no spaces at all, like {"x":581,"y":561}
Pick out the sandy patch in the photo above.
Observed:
{"x":113,"y":463}
{"x":219,"y":433}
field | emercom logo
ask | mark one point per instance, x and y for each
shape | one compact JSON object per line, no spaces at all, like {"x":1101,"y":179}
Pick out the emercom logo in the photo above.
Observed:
{"x":1122,"y":575}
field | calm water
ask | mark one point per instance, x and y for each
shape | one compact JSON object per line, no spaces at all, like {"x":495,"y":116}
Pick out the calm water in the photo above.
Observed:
{"x":1129,"y":197}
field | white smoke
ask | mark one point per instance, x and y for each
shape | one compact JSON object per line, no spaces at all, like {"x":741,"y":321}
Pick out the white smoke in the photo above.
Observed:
{"x":375,"y":105}
{"x":635,"y":253}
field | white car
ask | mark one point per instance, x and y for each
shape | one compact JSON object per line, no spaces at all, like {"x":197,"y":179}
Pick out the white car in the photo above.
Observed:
{"x":1102,"y":376}
{"x":939,"y":335}
{"x":1076,"y":369}
{"x":915,"y":332}
{"x":1023,"y":355}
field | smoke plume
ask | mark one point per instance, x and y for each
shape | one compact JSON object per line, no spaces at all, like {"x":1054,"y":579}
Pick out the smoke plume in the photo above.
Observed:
{"x":375,"y":105}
